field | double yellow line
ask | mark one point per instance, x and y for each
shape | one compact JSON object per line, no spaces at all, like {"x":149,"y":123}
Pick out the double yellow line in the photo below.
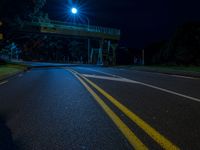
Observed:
{"x":129,"y":134}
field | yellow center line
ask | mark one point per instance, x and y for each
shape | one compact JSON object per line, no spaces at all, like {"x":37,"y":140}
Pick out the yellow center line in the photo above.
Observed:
{"x":160,"y":139}
{"x":130,"y":136}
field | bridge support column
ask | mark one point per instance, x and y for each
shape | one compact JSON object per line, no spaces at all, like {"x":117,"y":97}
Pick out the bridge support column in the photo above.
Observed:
{"x":108,"y":53}
{"x":100,"y":55}
{"x":91,"y":56}
{"x":89,"y":61}
{"x":114,"y":47}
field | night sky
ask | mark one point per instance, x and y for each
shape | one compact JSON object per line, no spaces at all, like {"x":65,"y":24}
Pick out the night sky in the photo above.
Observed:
{"x":141,"y":21}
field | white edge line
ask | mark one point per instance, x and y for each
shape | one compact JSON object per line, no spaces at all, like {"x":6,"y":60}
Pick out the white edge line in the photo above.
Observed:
{"x":104,"y":73}
{"x":108,"y":78}
{"x":180,"y":76}
{"x":4,"y":82}
{"x":169,"y":91}
{"x":160,"y":73}
{"x":154,"y":87}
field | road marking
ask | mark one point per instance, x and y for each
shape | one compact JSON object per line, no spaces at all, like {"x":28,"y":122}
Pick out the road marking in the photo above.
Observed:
{"x":179,"y":76}
{"x":171,"y":92}
{"x":130,"y":136}
{"x":107,"y":78}
{"x":160,"y":139}
{"x":109,"y":74}
{"x":160,"y":73}
{"x":4,"y":82}
{"x":161,"y":89}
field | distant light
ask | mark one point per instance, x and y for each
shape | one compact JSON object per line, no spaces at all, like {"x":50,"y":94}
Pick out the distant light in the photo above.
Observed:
{"x":74,"y":10}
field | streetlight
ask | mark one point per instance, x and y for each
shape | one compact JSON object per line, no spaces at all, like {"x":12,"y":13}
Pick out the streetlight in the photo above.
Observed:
{"x":74,"y":11}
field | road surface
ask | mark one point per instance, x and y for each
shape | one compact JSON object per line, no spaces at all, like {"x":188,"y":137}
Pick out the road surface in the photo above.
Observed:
{"x":100,"y":108}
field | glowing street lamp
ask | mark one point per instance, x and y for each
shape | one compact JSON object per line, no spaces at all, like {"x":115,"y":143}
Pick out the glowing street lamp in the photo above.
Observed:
{"x":74,"y":10}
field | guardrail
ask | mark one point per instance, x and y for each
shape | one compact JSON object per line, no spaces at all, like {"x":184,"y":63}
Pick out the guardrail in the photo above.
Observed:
{"x":74,"y":26}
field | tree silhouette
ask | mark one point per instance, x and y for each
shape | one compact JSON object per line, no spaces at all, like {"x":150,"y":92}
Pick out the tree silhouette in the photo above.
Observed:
{"x":182,"y":49}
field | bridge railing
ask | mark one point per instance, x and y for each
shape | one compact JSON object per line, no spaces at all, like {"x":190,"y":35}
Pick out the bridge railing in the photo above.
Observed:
{"x":75,"y":26}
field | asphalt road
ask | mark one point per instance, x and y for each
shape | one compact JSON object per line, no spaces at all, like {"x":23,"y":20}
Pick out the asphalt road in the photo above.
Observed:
{"x":99,"y":108}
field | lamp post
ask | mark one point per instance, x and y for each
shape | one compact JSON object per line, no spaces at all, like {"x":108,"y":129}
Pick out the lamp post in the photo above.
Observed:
{"x":88,"y":40}
{"x":75,"y":11}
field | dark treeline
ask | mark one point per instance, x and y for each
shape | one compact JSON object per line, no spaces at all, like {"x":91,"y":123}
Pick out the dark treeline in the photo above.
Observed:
{"x":182,"y":49}
{"x":53,"y":49}
{"x":24,"y":9}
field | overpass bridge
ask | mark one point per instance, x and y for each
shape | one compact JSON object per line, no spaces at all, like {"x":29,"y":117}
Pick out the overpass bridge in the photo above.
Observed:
{"x":107,"y":38}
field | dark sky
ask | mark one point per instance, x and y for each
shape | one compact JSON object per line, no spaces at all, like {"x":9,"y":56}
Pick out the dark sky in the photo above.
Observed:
{"x":141,"y":21}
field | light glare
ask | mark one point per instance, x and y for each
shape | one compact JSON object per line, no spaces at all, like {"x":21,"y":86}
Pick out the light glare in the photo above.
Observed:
{"x":74,"y":10}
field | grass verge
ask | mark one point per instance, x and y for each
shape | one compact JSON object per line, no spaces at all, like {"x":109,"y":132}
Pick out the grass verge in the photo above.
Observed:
{"x":9,"y":69}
